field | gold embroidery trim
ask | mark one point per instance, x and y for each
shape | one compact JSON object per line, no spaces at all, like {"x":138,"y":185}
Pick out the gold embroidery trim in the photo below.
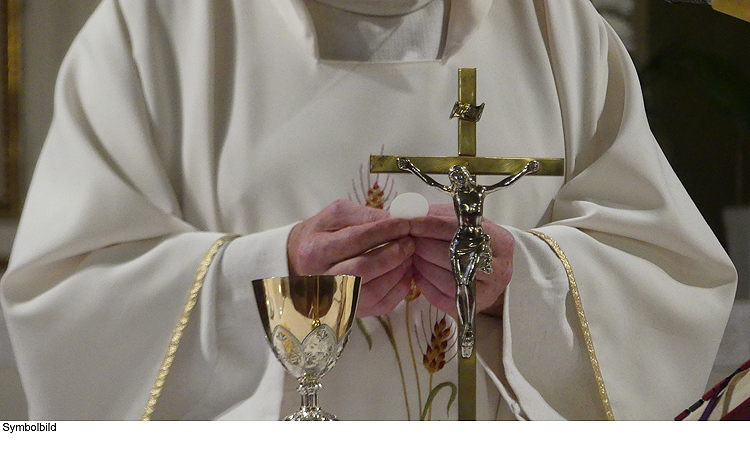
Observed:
{"x":179,"y":329}
{"x":584,"y":323}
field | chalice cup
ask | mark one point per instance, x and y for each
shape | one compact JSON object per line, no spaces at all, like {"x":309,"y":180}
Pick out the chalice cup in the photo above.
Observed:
{"x":307,"y":320}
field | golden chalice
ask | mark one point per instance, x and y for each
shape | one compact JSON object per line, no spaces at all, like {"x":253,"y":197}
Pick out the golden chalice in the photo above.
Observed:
{"x":308,"y":320}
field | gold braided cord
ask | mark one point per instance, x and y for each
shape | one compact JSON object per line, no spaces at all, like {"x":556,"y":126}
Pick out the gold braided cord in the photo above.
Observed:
{"x":181,"y":324}
{"x":584,"y":323}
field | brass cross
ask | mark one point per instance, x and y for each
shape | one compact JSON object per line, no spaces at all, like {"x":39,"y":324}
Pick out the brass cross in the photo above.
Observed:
{"x":467,"y":144}
{"x":468,"y":114}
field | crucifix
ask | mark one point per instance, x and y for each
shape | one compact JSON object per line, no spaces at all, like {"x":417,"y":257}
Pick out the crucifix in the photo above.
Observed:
{"x":470,"y":248}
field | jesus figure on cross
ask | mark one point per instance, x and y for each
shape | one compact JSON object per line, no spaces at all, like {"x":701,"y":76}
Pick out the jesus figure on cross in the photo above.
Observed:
{"x":470,"y":248}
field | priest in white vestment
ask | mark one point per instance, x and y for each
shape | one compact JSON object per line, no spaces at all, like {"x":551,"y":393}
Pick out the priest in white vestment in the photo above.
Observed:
{"x":180,"y":122}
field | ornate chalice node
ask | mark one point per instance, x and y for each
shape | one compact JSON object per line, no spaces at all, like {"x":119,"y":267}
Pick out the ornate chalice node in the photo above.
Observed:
{"x":307,"y":320}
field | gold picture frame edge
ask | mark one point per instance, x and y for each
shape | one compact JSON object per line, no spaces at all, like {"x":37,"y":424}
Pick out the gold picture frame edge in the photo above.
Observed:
{"x":11,"y":65}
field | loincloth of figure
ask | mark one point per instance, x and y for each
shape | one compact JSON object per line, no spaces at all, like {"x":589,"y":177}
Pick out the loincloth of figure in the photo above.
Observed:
{"x":472,"y":244}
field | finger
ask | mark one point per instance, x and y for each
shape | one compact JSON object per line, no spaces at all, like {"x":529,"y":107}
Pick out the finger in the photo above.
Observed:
{"x":496,"y":282}
{"x":502,"y":269}
{"x":502,"y":244}
{"x":502,"y":240}
{"x":344,"y":213}
{"x":383,"y":294}
{"x":439,"y":277}
{"x":376,"y":263}
{"x":325,"y":250}
{"x":489,"y":297}
{"x":444,"y":209}
{"x":390,"y":301}
{"x":355,"y":240}
{"x":441,"y":228}
{"x":434,"y":251}
{"x":446,"y":303}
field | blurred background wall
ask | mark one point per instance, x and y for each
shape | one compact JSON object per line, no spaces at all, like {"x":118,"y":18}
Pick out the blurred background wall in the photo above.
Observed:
{"x":695,"y":68}
{"x":47,"y":29}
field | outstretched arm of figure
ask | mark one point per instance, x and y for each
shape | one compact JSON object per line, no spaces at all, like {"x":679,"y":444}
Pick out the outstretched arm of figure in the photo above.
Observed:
{"x":531,"y":167}
{"x":405,"y":164}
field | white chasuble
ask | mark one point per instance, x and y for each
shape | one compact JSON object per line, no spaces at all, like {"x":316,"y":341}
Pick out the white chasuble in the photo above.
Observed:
{"x":179,"y":122}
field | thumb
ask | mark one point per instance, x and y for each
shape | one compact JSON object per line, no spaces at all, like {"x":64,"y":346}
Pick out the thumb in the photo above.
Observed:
{"x":445,"y":209}
{"x":345,"y":213}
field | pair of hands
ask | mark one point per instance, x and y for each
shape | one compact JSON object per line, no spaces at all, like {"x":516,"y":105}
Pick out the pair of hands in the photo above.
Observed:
{"x":388,"y":253}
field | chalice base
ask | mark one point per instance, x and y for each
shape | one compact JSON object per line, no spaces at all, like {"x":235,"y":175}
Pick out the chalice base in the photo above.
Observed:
{"x":313,"y":414}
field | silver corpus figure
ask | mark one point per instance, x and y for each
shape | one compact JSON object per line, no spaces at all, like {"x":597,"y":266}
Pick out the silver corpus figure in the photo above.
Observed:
{"x":470,"y":248}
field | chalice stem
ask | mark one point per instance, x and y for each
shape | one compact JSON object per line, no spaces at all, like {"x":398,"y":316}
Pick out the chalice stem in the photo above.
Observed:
{"x":309,"y":409}
{"x":308,"y":390}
